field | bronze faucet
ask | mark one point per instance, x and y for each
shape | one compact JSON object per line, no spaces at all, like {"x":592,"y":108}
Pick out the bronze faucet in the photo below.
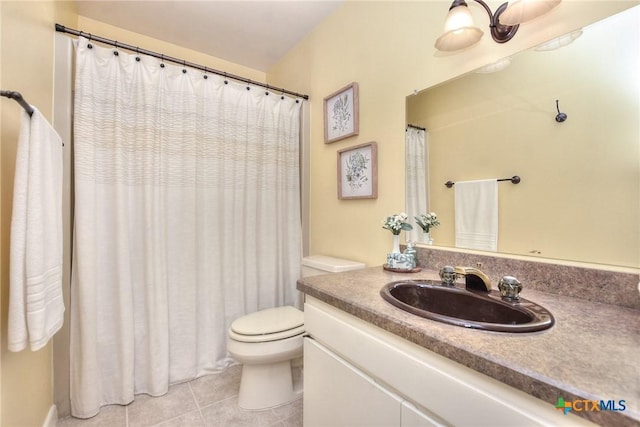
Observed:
{"x":475,"y":280}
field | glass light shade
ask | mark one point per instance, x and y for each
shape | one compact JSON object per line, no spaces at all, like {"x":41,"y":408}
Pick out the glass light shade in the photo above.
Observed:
{"x":494,"y":67}
{"x":559,"y":42}
{"x":520,"y":11}
{"x":459,"y":30}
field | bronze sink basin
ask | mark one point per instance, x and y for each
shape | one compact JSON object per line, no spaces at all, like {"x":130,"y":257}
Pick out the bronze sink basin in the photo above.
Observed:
{"x":470,"y":309}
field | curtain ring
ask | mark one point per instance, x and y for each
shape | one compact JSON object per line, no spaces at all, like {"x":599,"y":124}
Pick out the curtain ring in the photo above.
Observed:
{"x":161,"y":60}
{"x":89,"y":45}
{"x":205,"y":73}
{"x":137,"y":54}
{"x":116,"y":53}
{"x":267,"y":92}
{"x":225,"y":78}
{"x":184,"y":66}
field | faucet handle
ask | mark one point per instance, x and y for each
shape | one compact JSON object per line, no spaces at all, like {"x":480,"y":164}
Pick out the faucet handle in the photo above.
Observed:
{"x":448,"y":275}
{"x":510,"y":288}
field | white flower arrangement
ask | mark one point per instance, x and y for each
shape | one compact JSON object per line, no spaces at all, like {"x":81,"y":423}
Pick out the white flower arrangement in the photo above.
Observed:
{"x":430,"y":220}
{"x":397,"y":223}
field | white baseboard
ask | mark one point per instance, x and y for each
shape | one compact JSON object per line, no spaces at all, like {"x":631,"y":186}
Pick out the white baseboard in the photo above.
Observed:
{"x":52,"y":417}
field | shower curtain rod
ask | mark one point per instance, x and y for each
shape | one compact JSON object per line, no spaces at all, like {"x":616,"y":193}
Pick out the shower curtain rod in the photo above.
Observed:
{"x":16,"y":96}
{"x":416,"y":127}
{"x":63,"y":29}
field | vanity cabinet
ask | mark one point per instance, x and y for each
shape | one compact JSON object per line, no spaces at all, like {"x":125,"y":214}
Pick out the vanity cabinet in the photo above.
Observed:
{"x":357,"y":374}
{"x":338,"y":394}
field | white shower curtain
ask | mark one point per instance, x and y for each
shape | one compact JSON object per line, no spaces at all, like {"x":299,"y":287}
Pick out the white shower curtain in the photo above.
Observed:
{"x":416,"y":175}
{"x":187,"y":216}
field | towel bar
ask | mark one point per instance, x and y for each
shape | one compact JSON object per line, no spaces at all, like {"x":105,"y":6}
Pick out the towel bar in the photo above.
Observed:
{"x":16,"y":96}
{"x":514,"y":180}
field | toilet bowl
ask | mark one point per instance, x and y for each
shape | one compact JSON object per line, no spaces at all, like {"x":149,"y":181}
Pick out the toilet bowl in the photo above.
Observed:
{"x":268,"y":341}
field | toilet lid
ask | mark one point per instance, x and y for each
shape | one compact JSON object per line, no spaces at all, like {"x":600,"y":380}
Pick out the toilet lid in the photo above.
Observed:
{"x":278,"y":336}
{"x":270,"y":321}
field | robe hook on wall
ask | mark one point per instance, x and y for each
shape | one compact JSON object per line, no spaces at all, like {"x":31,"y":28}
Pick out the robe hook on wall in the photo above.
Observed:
{"x":560,"y":117}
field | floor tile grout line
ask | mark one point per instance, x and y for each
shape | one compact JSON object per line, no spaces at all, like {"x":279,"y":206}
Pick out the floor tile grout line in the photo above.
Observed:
{"x":204,"y":423}
{"x":174,"y":418}
{"x":219,"y":401}
{"x":193,"y":395}
{"x":275,"y":413}
{"x":181,"y":414}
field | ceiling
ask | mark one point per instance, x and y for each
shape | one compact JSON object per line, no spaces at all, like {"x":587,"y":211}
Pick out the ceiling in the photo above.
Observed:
{"x":252,"y":33}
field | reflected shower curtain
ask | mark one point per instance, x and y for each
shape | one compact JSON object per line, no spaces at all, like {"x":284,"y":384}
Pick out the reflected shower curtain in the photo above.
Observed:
{"x":187,"y":216}
{"x":416,"y":164}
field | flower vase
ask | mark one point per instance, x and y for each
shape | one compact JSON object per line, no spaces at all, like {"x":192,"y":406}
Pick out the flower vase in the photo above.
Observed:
{"x":396,"y":244}
{"x":426,"y":238}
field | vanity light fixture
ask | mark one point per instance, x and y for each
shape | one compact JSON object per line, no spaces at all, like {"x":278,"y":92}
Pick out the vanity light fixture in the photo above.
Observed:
{"x":559,"y":42}
{"x":494,"y":67}
{"x":520,"y":11}
{"x":460,"y":31}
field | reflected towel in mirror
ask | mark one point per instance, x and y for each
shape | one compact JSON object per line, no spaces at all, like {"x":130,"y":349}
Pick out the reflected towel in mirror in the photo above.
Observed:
{"x":476,"y":214}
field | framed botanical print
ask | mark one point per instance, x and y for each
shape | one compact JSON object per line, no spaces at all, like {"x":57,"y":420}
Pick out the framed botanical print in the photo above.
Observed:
{"x":358,"y":172}
{"x":341,"y":114}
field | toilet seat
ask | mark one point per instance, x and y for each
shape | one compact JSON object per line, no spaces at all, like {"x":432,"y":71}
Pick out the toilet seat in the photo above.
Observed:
{"x":268,"y":325}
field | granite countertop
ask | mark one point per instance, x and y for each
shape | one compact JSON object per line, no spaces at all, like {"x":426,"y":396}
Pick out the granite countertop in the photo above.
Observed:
{"x":590,"y":353}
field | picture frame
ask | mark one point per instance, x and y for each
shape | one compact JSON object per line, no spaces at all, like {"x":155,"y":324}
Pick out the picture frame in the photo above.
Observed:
{"x":341,"y":114}
{"x":358,"y":172}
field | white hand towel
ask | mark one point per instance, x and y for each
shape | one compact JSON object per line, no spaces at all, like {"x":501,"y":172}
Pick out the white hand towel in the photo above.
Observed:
{"x":476,"y":214}
{"x":36,"y":306}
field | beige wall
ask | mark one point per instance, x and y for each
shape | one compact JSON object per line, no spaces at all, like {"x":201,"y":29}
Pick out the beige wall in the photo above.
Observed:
{"x":27,"y":67}
{"x":387,"y":47}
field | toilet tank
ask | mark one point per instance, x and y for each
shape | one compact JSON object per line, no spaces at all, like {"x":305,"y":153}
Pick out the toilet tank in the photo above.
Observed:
{"x":314,"y":265}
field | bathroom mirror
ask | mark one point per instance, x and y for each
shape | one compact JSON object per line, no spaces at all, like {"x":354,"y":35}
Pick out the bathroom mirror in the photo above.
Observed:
{"x":579,"y":198}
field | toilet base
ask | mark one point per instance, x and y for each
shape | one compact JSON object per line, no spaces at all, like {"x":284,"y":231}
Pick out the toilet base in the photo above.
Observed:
{"x":266,"y":386}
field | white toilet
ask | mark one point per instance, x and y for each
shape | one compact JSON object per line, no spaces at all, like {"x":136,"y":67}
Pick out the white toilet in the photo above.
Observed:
{"x":267,"y":341}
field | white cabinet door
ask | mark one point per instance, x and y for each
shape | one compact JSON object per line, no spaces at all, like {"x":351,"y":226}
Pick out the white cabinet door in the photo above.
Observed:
{"x":337,"y":394}
{"x":457,"y":394}
{"x":412,"y":417}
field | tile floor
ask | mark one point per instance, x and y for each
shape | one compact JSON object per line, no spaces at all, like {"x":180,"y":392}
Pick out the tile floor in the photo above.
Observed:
{"x":209,"y":401}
